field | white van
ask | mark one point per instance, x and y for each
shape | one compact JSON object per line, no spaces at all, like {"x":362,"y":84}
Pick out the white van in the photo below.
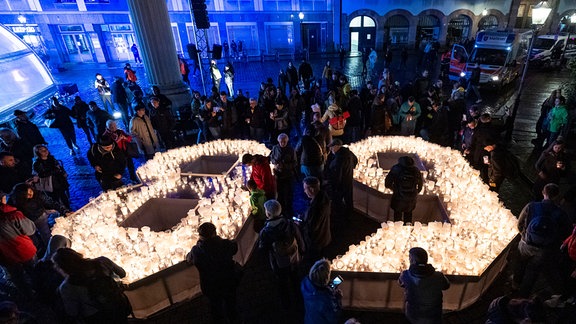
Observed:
{"x":545,"y":46}
{"x":500,"y":54}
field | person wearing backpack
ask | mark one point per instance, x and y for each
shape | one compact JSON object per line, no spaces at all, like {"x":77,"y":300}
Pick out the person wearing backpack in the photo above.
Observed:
{"x":89,"y":291}
{"x":279,"y":240}
{"x":406,"y":181}
{"x":336,"y":119}
{"x":543,"y":226}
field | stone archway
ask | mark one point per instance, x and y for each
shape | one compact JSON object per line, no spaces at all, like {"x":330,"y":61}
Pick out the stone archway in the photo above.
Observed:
{"x":362,"y":31}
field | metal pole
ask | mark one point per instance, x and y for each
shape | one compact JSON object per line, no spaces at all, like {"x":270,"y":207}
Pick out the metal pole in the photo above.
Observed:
{"x":199,"y":48}
{"x":512,"y":119}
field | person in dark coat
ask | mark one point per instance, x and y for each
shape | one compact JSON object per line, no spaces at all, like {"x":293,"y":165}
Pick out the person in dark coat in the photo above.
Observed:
{"x":339,"y":174}
{"x":292,"y":76}
{"x":229,"y":115}
{"x":405,"y":180}
{"x":495,"y":166}
{"x":9,"y":173}
{"x":97,"y":118}
{"x":109,"y":163}
{"x":163,"y":121}
{"x":316,"y":222}
{"x":485,"y":134}
{"x":212,"y":256}
{"x":435,"y":125}
{"x":322,"y":302}
{"x":256,"y":119}
{"x":27,"y":130}
{"x":311,"y":154}
{"x":423,"y":287}
{"x":283,"y":157}
{"x":120,"y":98}
{"x":79,"y":110}
{"x":506,"y":310}
{"x":61,"y":115}
{"x":20,"y":149}
{"x":552,"y":166}
{"x":45,"y":165}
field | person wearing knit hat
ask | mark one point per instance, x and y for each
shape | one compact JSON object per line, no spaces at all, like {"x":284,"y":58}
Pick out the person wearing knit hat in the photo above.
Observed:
{"x":108,"y":161}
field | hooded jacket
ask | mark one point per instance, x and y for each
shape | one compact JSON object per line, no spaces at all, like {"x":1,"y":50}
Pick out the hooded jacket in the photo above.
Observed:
{"x":322,"y":304}
{"x":404,"y":196}
{"x":15,"y":244}
{"x":423,"y":287}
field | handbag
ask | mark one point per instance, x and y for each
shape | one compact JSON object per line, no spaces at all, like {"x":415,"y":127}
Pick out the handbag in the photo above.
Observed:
{"x":132,"y":150}
{"x":44,"y":184}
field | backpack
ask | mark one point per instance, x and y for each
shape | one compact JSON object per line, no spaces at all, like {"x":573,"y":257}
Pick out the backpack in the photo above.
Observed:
{"x":285,"y":250}
{"x":108,"y":294}
{"x":542,"y":229}
{"x":407,"y":184}
{"x":339,"y":122}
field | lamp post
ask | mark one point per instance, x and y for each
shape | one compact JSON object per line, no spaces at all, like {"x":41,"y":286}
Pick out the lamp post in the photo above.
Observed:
{"x":540,"y":13}
{"x":301,"y":17}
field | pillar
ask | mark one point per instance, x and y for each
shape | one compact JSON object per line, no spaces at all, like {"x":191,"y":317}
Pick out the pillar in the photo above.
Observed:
{"x":154,"y":34}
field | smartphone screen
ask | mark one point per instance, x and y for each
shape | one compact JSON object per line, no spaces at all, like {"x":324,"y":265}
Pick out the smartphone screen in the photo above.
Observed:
{"x":336,"y":281}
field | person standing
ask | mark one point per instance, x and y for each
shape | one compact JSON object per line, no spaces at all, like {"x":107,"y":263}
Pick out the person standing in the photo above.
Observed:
{"x":405,"y":180}
{"x":408,"y":115}
{"x":311,"y":154}
{"x":316,"y":221}
{"x":211,"y":120}
{"x":109,"y":162}
{"x":97,"y":118}
{"x":340,"y":176}
{"x":261,"y":173}
{"x":104,"y":92}
{"x":423,"y":287}
{"x":229,"y":78}
{"x":278,"y":240}
{"x":17,"y":251}
{"x":121,"y":138}
{"x":474,"y":82}
{"x":305,"y":73}
{"x":45,"y":165}
{"x":120,"y":98}
{"x":143,"y":132}
{"x":342,"y":55}
{"x":552,"y":165}
{"x":322,"y":302}
{"x":79,"y":111}
{"x":216,"y":76}
{"x":184,"y":69}
{"x":279,"y":117}
{"x":543,"y":226}
{"x":136,"y":53}
{"x":547,"y":105}
{"x":27,"y":130}
{"x":163,"y":121}
{"x":212,"y":256}
{"x":283,"y":157}
{"x":327,"y":75}
{"x":229,"y":116}
{"x":61,"y":115}
{"x":292,"y":76}
{"x":256,"y":120}
{"x":130,"y":74}
{"x":556,"y":120}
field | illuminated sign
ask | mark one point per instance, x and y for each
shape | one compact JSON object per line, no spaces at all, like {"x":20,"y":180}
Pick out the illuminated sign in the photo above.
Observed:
{"x":23,"y":29}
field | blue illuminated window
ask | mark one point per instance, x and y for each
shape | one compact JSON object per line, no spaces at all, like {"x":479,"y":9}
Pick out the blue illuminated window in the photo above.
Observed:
{"x":239,"y":5}
{"x":277,"y":5}
{"x":313,"y":5}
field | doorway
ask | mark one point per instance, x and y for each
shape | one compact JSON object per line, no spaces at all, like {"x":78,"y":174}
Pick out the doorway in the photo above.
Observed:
{"x":122,"y":44}
{"x":362,"y":33}
{"x":77,"y":48}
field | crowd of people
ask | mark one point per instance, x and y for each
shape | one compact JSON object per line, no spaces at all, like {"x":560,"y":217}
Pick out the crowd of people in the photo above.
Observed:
{"x":306,"y":120}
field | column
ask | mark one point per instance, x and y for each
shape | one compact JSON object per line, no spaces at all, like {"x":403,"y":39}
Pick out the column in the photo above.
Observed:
{"x":152,"y":28}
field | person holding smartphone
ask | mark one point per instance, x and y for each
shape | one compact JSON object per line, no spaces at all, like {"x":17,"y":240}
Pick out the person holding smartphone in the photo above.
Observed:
{"x":322,"y":298}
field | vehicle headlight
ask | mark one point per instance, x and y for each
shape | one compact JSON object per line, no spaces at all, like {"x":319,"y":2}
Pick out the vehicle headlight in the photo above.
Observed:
{"x":462,"y":74}
{"x":495,"y":78}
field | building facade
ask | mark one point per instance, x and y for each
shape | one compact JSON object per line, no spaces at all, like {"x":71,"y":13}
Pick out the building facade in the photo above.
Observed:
{"x":64,"y":31}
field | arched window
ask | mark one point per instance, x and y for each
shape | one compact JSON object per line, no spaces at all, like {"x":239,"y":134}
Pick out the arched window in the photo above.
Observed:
{"x":488,"y":22}
{"x":428,"y":29}
{"x":459,"y":29}
{"x":362,"y":33}
{"x":397,"y":27}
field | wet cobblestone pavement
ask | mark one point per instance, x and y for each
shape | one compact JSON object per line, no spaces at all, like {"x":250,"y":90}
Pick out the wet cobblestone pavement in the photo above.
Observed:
{"x":258,"y":297}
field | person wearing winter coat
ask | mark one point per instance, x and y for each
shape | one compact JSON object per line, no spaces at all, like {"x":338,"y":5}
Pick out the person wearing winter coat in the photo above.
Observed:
{"x":556,"y":120}
{"x":261,"y":173}
{"x":316,"y":221}
{"x":280,"y":119}
{"x":122,"y":140}
{"x":109,"y":163}
{"x":408,"y":115}
{"x":143,"y":133}
{"x":27,"y":130}
{"x":229,"y":78}
{"x":120,"y":98}
{"x":219,"y":280}
{"x":423,"y":287}
{"x":17,"y":251}
{"x":79,"y":110}
{"x":339,"y":173}
{"x":292,"y":76}
{"x":311,"y":154}
{"x":336,"y":120}
{"x":61,"y":115}
{"x":216,"y":76}
{"x":406,"y":181}
{"x":322,"y":302}
{"x":283,"y":157}
{"x":19,"y":149}
{"x":97,"y":118}
{"x":163,"y":121}
{"x":45,"y":165}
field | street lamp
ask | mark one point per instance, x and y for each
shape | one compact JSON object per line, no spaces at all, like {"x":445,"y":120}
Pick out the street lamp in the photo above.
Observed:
{"x":540,"y":13}
{"x":301,"y":17}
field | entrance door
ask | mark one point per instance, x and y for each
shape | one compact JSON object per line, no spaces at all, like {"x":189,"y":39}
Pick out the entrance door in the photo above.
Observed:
{"x":362,"y":33}
{"x":77,"y":47}
{"x":122,"y":44}
{"x":313,"y":40}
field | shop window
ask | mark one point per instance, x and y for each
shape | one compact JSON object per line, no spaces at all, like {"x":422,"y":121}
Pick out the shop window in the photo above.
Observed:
{"x":398,"y":28}
{"x":488,"y":22}
{"x":120,"y":27}
{"x":313,"y":5}
{"x":71,"y":28}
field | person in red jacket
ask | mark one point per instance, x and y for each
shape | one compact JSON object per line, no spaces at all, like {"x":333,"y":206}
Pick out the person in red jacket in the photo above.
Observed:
{"x":17,"y":251}
{"x":261,"y":173}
